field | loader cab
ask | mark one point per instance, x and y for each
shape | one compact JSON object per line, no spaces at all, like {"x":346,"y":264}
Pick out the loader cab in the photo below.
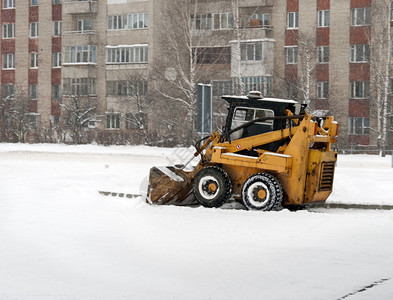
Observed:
{"x":243,"y":109}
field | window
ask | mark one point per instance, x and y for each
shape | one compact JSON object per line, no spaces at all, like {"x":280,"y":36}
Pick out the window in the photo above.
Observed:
{"x":130,"y":21}
{"x":56,"y":2}
{"x":361,"y":16}
{"x":56,"y":91}
{"x":264,"y":19}
{"x":323,"y":54}
{"x":84,"y":25}
{"x":360,"y":89}
{"x":57,"y":28}
{"x":222,"y":88}
{"x":360,"y":53}
{"x":117,"y":22}
{"x":243,"y":115}
{"x":223,"y":20}
{"x":56,"y":59}
{"x":126,"y":54}
{"x":258,"y":83}
{"x":359,"y":126}
{"x":92,"y":123}
{"x":293,"y":20}
{"x":201,"y":21}
{"x":34,"y":29}
{"x":138,"y":21}
{"x":33,"y":60}
{"x":8,"y":31}
{"x":32,"y":119}
{"x":55,"y":120}
{"x":136,"y":121}
{"x":113,"y":121}
{"x":80,"y":54}
{"x":126,"y":88}
{"x":291,"y":54}
{"x":8,"y":61}
{"x":79,"y":86}
{"x":33,"y":92}
{"x":251,"y":51}
{"x":213,"y":55}
{"x":323,"y":89}
{"x":8,"y":3}
{"x":7,"y":91}
{"x":33,"y":2}
{"x":323,"y":18}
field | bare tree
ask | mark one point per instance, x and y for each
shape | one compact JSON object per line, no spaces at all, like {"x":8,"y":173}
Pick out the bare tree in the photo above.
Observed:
{"x":48,"y":134}
{"x":194,"y":51}
{"x":135,"y":102}
{"x":177,"y":70}
{"x":307,"y":63}
{"x":380,"y":61}
{"x":188,"y":58}
{"x":16,"y":115}
{"x":5,"y":115}
{"x":77,"y":112}
{"x":302,"y":78}
{"x":239,"y":84}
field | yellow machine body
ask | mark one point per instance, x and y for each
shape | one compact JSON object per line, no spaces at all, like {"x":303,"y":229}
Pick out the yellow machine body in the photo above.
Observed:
{"x":303,"y":165}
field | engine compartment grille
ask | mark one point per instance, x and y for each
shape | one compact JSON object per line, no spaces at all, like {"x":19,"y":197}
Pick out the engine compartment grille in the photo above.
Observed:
{"x":326,"y":183}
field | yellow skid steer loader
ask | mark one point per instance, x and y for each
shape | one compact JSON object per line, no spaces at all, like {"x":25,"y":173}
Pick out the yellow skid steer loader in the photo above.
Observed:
{"x":271,"y":153}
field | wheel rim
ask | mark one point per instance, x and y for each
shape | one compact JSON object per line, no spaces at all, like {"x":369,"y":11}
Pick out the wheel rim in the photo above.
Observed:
{"x":258,"y":194}
{"x":208,"y":187}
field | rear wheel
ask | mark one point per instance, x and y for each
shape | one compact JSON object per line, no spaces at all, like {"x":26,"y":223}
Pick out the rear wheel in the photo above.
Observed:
{"x":262,"y":191}
{"x":212,"y":187}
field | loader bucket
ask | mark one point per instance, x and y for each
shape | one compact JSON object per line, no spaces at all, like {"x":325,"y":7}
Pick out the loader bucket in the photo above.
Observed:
{"x":169,"y":185}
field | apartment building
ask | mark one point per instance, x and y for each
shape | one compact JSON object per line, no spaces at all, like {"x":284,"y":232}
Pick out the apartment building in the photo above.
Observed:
{"x":106,"y":53}
{"x":83,"y":53}
{"x":53,"y":51}
{"x":110,"y":52}
{"x":30,"y":34}
{"x":326,"y":53}
{"x":344,"y":37}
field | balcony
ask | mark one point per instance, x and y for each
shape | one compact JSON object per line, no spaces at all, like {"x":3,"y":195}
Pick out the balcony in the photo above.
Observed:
{"x":258,"y":28}
{"x":87,"y":32}
{"x":257,"y":32}
{"x":80,"y":6}
{"x":88,"y":37}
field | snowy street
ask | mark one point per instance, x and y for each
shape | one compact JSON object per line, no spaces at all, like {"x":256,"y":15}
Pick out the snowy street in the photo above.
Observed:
{"x":61,"y":239}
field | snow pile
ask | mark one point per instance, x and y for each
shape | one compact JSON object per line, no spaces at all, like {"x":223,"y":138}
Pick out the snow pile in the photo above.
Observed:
{"x":363,"y":179}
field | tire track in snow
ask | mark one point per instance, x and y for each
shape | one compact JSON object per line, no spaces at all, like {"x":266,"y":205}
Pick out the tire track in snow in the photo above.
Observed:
{"x":367,"y":287}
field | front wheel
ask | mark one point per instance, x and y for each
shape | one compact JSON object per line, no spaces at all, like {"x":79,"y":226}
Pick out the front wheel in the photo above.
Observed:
{"x":212,"y":187}
{"x":262,"y":191}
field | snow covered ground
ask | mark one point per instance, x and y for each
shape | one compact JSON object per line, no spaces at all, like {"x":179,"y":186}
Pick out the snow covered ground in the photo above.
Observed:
{"x":60,"y":239}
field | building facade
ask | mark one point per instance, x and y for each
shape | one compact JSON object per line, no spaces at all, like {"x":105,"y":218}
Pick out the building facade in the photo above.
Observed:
{"x":31,"y":33}
{"x":124,"y":56}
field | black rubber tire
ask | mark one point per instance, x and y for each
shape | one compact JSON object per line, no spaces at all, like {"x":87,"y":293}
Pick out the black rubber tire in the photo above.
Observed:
{"x":271,"y":188}
{"x":220,"y":179}
{"x":295,"y":207}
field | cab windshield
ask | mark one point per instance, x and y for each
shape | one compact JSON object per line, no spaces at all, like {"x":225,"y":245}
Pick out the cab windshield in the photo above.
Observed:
{"x":243,"y":115}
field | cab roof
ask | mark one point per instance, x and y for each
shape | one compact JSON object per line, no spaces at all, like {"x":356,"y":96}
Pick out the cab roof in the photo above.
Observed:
{"x":279,"y":106}
{"x":259,"y":101}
